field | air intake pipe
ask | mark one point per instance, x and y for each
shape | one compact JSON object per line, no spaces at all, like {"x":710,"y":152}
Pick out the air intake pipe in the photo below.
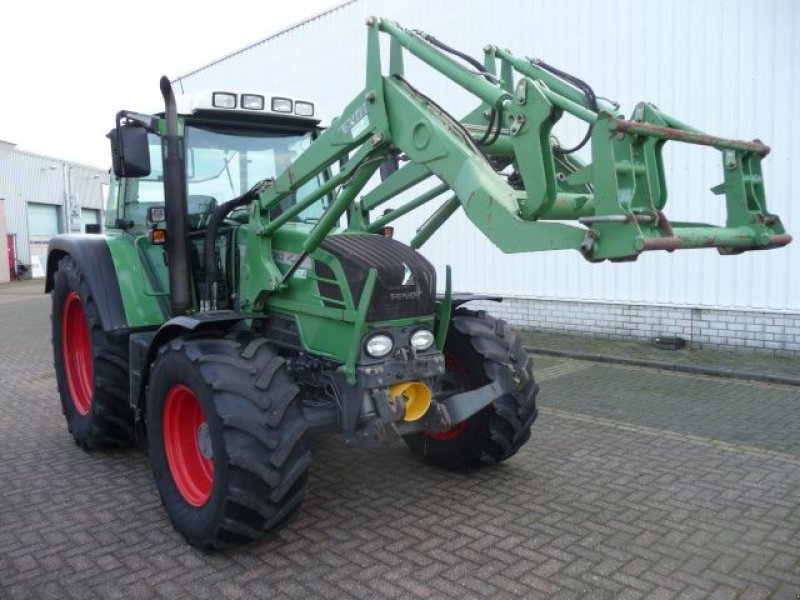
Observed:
{"x":177,"y":243}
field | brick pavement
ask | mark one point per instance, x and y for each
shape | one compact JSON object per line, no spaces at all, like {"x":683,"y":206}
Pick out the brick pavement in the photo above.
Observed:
{"x":744,"y":413}
{"x":637,"y":483}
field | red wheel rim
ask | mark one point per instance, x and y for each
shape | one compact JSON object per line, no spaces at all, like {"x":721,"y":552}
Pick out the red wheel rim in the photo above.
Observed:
{"x":187,"y":445}
{"x":455,"y":368}
{"x":76,"y":351}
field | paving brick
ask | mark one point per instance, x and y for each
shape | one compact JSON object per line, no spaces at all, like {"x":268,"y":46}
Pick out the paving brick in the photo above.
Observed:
{"x":636,"y":484}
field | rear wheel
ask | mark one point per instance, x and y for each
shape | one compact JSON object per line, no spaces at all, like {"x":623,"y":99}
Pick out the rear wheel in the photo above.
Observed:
{"x":226,"y":438}
{"x":477,"y":347}
{"x":91,"y":370}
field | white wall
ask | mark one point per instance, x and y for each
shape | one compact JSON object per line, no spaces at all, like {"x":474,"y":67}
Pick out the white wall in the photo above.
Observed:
{"x":730,"y":67}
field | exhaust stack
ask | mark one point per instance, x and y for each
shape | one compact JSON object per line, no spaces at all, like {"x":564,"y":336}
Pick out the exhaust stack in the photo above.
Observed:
{"x":177,"y":243}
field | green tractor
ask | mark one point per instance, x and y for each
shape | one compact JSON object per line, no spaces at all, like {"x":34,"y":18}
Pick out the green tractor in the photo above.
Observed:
{"x":245,"y":294}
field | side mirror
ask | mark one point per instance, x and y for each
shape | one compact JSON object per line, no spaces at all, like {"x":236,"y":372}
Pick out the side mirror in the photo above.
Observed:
{"x":130,"y":154}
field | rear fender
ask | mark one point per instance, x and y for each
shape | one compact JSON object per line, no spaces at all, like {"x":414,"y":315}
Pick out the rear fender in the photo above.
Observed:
{"x":92,"y":255}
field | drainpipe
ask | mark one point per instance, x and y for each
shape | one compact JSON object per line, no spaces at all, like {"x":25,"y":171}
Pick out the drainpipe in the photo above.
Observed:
{"x":66,"y":170}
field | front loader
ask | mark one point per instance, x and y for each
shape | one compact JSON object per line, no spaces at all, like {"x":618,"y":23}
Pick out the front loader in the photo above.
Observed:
{"x":248,"y":291}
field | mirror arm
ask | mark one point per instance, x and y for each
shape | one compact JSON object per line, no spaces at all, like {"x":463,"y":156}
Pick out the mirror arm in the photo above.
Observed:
{"x":129,"y":117}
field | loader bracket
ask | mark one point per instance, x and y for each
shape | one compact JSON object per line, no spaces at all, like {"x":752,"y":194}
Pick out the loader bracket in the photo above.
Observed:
{"x":460,"y":407}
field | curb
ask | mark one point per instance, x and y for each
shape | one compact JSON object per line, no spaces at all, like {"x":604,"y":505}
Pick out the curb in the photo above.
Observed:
{"x":668,"y":366}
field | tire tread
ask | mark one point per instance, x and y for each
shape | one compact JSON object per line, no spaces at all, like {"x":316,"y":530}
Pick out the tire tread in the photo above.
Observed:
{"x":263,"y":432}
{"x":506,"y":424}
{"x":111,"y":421}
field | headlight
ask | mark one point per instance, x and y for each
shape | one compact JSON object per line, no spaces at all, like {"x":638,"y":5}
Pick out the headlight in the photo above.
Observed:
{"x":283,"y":105}
{"x":252,"y":102}
{"x":223,"y":100}
{"x":303,"y":109}
{"x":422,"y":339}
{"x":379,"y":345}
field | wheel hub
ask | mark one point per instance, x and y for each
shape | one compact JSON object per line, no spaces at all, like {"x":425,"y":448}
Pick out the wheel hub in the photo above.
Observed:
{"x":204,"y":441}
{"x":187,"y":445}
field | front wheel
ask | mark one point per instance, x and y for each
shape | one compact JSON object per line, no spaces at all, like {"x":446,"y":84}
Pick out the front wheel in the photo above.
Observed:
{"x":476,"y":348}
{"x":226,"y":438}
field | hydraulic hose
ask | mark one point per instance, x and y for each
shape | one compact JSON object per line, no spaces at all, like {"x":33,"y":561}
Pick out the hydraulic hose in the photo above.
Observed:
{"x":465,"y":57}
{"x":210,"y":236}
{"x":488,"y":141}
{"x":487,"y":138}
{"x":588,"y":92}
{"x":489,"y":128}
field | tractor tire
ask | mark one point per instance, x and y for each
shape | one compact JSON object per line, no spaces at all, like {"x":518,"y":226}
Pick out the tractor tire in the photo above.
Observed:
{"x":476,"y":348}
{"x":91,"y":369}
{"x":226,"y":438}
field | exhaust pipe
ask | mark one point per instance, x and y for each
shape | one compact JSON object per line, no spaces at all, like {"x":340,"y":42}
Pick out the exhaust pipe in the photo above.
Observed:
{"x":177,"y":243}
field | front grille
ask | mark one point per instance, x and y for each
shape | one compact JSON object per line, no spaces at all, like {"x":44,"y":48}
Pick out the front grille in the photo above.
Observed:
{"x":406,"y":281}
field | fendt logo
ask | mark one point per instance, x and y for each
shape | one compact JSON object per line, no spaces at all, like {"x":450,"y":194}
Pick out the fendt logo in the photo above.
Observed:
{"x":408,"y":276}
{"x":405,"y":295}
{"x":408,"y":281}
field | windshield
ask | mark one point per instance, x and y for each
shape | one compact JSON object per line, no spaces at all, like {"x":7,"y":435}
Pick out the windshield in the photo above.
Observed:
{"x":221,"y":165}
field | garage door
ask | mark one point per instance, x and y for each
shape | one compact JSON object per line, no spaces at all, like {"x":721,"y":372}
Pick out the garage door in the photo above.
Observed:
{"x":42,"y":219}
{"x":89,"y":216}
{"x":42,"y":225}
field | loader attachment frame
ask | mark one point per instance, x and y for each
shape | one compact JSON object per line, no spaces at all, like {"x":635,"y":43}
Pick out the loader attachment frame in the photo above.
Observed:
{"x":616,"y":202}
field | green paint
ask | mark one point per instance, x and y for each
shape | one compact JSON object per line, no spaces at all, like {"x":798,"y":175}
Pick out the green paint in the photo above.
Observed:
{"x":359,"y":327}
{"x":142,"y":305}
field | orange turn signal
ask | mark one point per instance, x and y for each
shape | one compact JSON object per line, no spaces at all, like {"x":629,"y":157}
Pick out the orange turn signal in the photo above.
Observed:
{"x":158,"y":237}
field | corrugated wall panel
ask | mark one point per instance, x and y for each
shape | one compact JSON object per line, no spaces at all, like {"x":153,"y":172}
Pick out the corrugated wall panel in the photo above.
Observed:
{"x":28,"y":177}
{"x":728,"y":67}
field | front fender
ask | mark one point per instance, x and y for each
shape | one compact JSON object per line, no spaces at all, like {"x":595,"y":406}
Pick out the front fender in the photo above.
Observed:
{"x":144,"y":345}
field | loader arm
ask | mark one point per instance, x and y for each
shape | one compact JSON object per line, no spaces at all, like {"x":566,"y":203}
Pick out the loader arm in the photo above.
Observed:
{"x":616,"y":201}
